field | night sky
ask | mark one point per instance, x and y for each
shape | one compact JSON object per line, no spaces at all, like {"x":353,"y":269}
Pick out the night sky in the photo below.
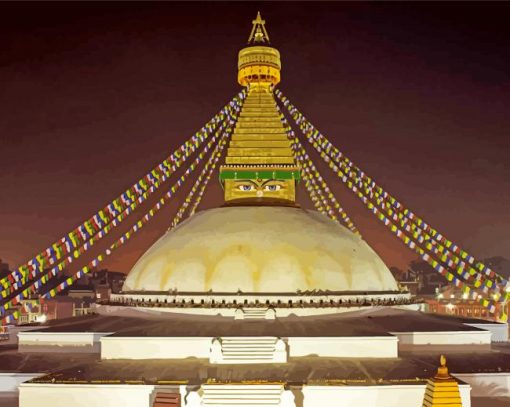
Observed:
{"x":94,"y":95}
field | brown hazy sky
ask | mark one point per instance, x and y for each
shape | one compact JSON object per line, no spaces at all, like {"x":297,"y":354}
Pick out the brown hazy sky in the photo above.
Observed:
{"x":93,"y":95}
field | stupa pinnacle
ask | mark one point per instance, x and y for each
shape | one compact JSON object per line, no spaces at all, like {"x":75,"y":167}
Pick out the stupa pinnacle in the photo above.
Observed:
{"x":260,"y":166}
{"x":258,"y":32}
{"x":259,"y":65}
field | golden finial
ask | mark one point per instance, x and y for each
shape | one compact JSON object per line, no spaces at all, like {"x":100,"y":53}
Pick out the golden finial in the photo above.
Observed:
{"x":442,"y":371}
{"x":442,"y":390}
{"x":258,"y":31}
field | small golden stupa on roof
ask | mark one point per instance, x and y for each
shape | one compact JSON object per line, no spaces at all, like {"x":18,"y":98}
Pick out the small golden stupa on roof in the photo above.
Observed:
{"x":442,"y":390}
{"x":259,"y":167}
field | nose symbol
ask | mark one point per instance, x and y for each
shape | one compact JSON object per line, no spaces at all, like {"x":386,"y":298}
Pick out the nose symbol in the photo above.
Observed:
{"x":260,"y":194}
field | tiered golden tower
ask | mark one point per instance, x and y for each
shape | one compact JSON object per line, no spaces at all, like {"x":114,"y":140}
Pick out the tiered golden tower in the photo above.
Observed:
{"x":259,"y":167}
{"x":442,"y":390}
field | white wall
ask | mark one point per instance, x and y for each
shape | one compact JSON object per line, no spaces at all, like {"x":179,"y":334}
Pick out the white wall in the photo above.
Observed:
{"x":409,"y":395}
{"x":28,"y":339}
{"x":84,"y":395}
{"x":199,"y":347}
{"x":444,"y":338}
{"x":15,"y":329}
{"x":121,"y":395}
{"x":499,"y":331}
{"x":344,"y":347}
{"x":487,"y":384}
{"x":9,"y":382}
{"x":155,"y":347}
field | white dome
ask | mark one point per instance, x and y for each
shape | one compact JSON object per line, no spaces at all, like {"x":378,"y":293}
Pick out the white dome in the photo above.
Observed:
{"x":259,"y":249}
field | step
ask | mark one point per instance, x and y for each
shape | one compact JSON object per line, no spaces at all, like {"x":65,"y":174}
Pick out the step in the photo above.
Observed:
{"x":251,"y":100}
{"x":163,"y":399}
{"x":266,"y":123}
{"x":251,"y":347}
{"x":259,"y":110}
{"x":261,"y":130}
{"x":248,"y":358}
{"x":265,"y":348}
{"x":259,"y":107}
{"x":241,"y":395}
{"x":259,"y":152}
{"x":261,"y":339}
{"x":259,"y":137}
{"x":259,"y":102}
{"x":268,"y":354}
{"x":255,"y":144}
{"x":260,"y":160}
{"x":259,"y":114}
{"x":277,"y":134}
{"x":240,"y":402}
{"x":235,"y":395}
{"x":250,"y":352}
{"x":245,"y":346}
{"x":251,"y":114}
{"x":245,"y":350}
{"x":234,"y":344}
{"x":260,"y":120}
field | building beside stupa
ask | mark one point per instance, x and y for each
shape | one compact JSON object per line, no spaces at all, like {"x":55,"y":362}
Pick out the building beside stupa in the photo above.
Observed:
{"x":258,"y":303}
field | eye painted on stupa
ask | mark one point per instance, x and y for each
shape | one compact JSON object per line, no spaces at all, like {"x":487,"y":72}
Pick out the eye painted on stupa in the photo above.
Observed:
{"x":246,"y":187}
{"x":272,"y":188}
{"x":273,"y":185}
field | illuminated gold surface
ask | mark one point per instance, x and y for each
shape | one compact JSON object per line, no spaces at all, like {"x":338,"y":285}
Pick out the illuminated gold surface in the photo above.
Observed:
{"x":443,"y":389}
{"x":260,"y":249}
{"x":253,"y":137}
{"x":260,"y":160}
{"x":259,"y":140}
{"x":258,"y":143}
{"x":268,"y":151}
{"x":259,"y":65}
{"x":258,"y":31}
{"x":269,"y":189}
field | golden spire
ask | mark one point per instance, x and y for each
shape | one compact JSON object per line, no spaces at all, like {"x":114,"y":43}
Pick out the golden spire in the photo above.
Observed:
{"x":442,"y":370}
{"x":259,"y":167}
{"x":442,"y":390}
{"x":258,"y":31}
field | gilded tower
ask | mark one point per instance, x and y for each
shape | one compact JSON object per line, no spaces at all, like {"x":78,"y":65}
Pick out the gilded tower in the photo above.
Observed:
{"x":442,"y":390}
{"x":259,"y":167}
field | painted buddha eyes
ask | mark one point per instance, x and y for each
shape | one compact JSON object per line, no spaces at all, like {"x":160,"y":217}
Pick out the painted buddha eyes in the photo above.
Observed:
{"x":272,"y":188}
{"x":248,"y":187}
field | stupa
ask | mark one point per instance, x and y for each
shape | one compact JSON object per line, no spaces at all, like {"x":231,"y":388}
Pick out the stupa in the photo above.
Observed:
{"x":258,"y":303}
{"x":260,"y":247}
